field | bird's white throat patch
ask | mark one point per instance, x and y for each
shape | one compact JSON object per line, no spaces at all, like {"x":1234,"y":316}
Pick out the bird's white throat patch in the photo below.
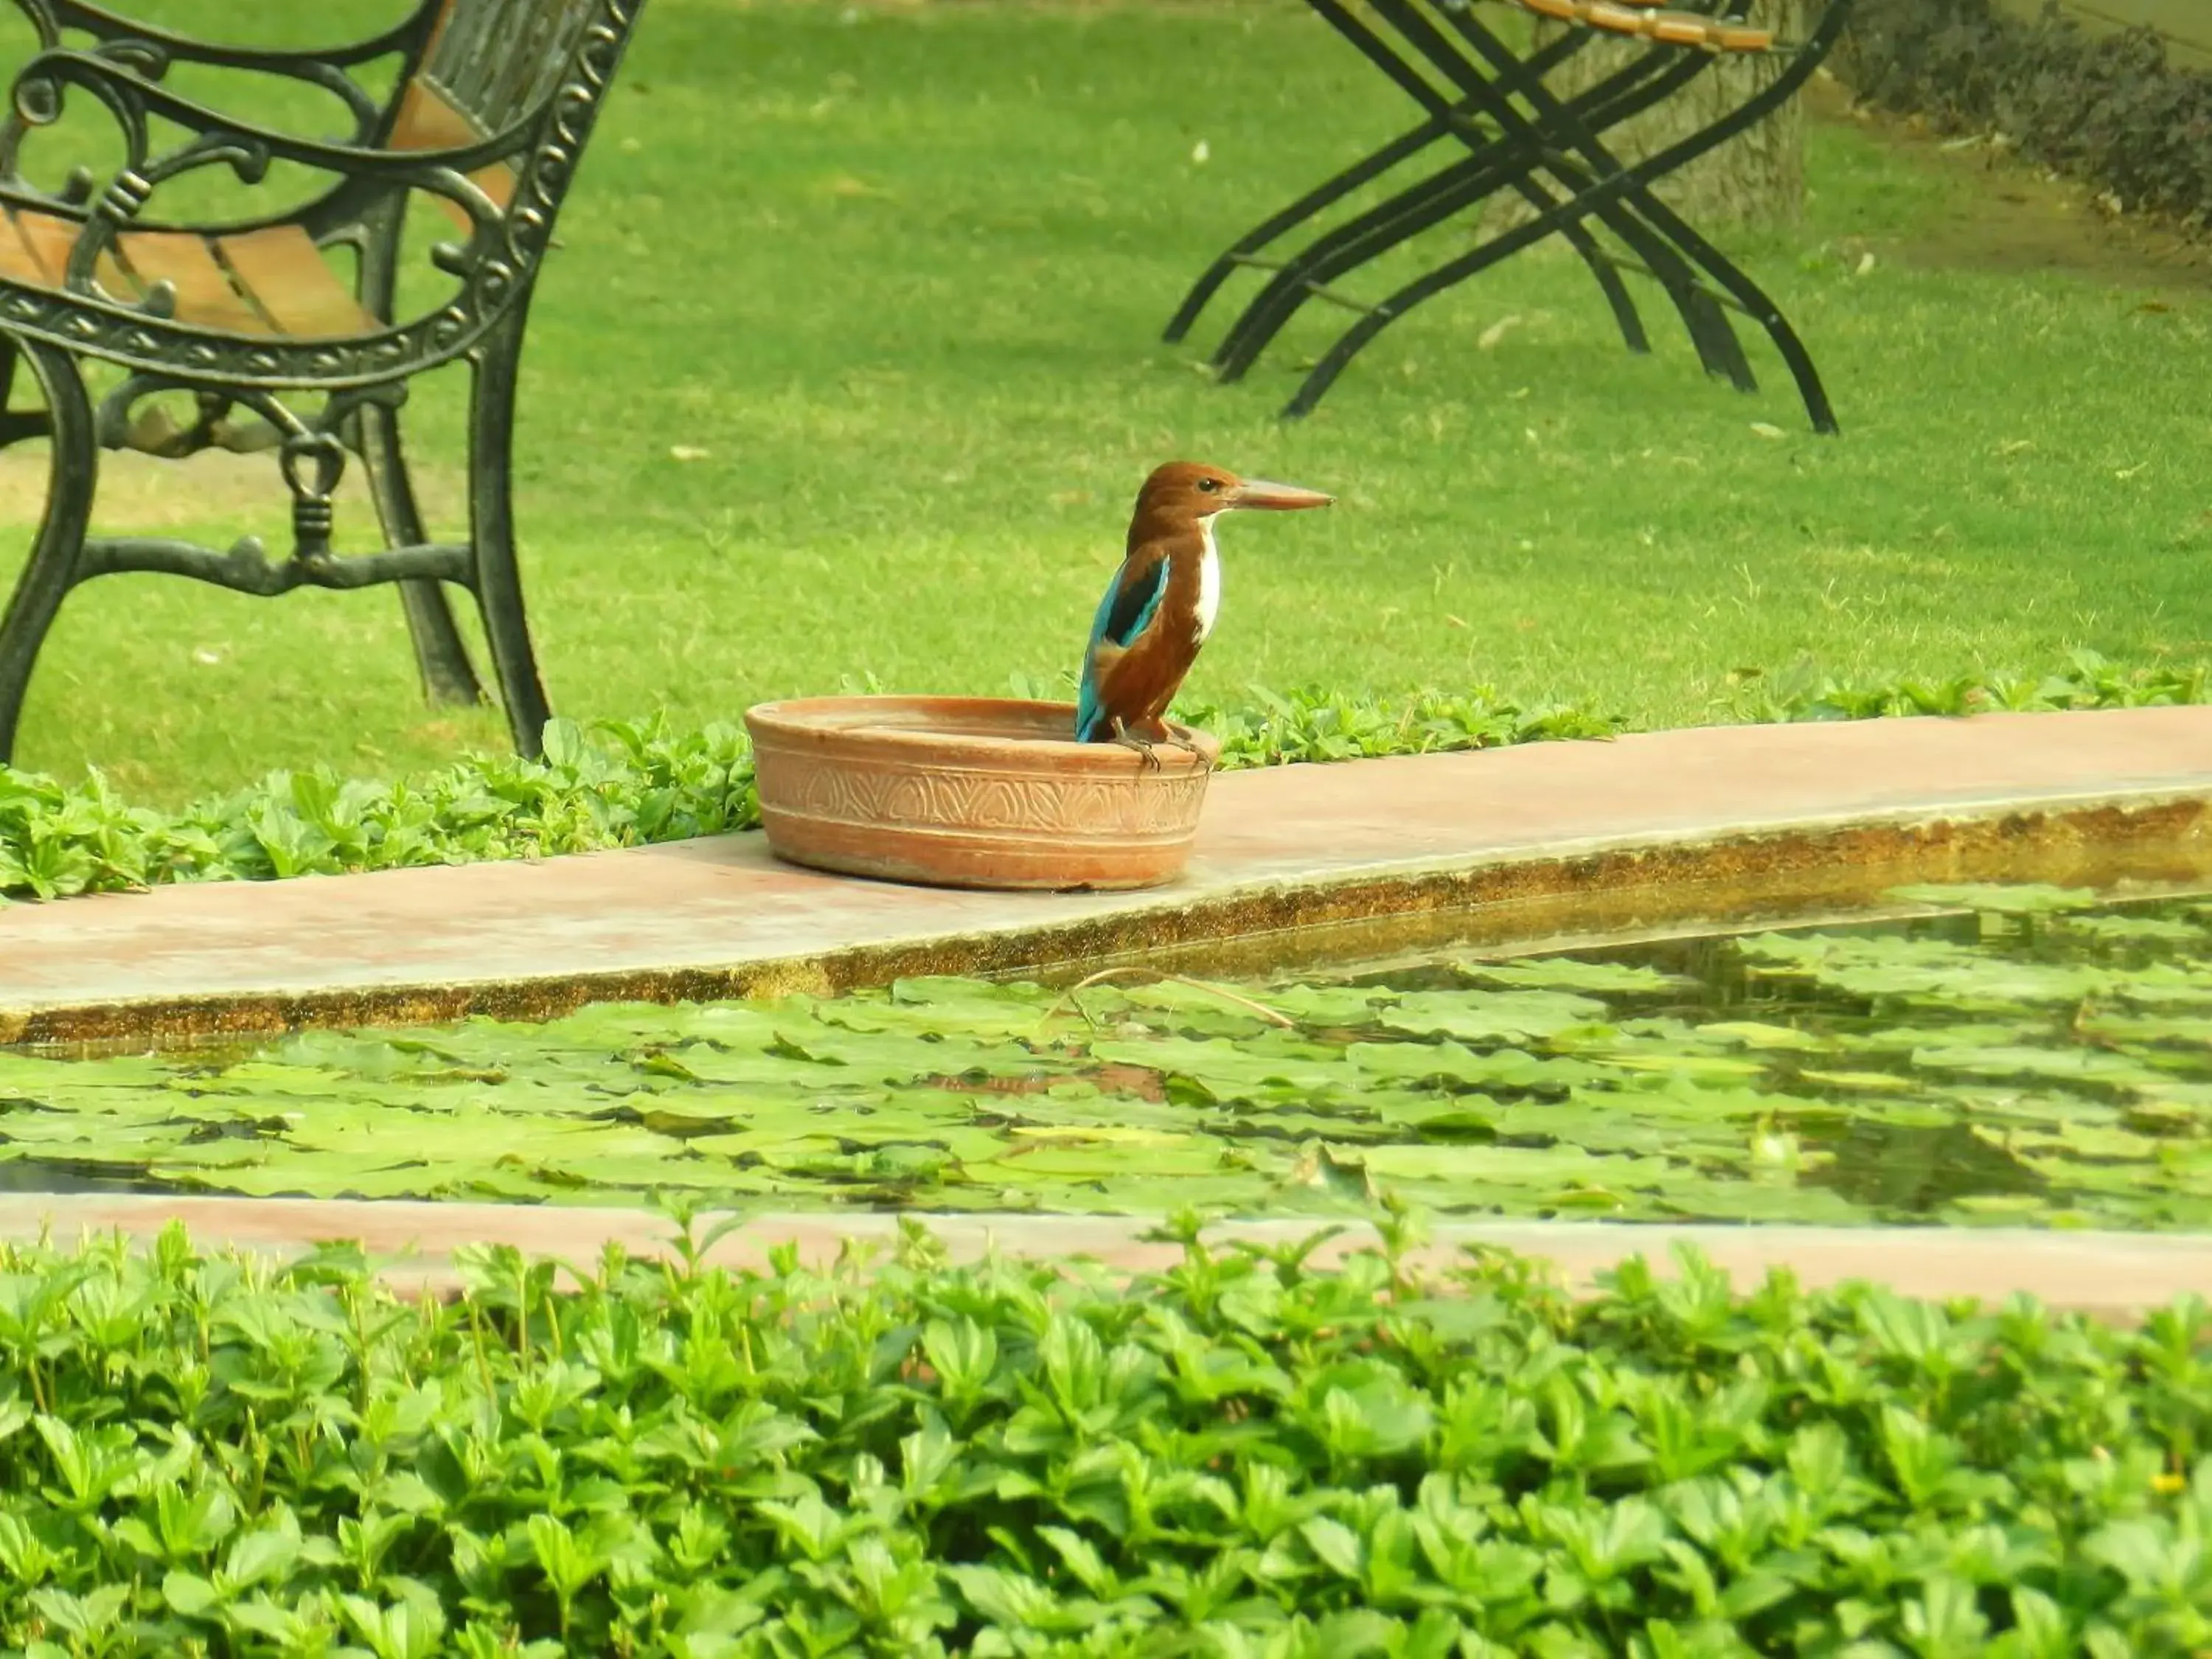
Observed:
{"x":1209,"y":582}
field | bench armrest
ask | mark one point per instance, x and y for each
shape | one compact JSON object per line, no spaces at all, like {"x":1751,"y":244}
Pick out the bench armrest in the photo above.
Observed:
{"x":40,"y":90}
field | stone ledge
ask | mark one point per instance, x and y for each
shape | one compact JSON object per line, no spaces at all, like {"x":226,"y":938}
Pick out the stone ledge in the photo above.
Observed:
{"x":2114,"y":1276}
{"x":1549,"y":842}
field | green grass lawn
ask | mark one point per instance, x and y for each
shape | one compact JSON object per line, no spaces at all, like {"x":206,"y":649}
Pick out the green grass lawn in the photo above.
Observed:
{"x":899,"y":272}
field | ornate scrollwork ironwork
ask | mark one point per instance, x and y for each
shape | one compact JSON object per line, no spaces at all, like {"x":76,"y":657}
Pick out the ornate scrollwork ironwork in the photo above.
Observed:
{"x":494,"y":267}
{"x":246,"y":567}
{"x":310,"y":460}
{"x":149,"y":51}
{"x":41,"y":16}
{"x":532,"y":99}
{"x":310,"y":452}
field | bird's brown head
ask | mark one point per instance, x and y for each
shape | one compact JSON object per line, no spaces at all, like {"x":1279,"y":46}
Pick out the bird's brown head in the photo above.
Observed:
{"x":1182,"y":491}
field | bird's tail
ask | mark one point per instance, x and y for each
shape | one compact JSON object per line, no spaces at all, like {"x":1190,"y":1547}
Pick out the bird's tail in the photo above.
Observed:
{"x":1091,"y":724}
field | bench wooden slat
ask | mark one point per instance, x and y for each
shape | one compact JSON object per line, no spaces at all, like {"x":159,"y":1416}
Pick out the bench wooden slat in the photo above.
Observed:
{"x":204,"y":292}
{"x":427,"y":121}
{"x":486,"y":63}
{"x":47,"y":238}
{"x":240,"y":284}
{"x":285,"y":273}
{"x":49,"y":241}
{"x":18,"y":262}
{"x":497,"y":60}
{"x":1648,"y":20}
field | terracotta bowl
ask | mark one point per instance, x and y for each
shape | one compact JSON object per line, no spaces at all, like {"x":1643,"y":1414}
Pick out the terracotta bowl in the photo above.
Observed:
{"x":970,"y":792}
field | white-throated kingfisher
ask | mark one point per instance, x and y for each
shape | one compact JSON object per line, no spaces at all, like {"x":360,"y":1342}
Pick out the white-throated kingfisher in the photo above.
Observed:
{"x":1163,"y":601}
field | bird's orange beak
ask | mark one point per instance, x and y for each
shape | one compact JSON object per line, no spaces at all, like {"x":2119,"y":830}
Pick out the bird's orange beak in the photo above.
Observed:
{"x":1278,"y":497}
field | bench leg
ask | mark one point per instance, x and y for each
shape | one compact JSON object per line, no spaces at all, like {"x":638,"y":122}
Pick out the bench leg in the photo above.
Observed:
{"x":1417,"y":208}
{"x":1759,"y":307}
{"x":1246,"y":248}
{"x":1567,"y":138}
{"x":52,"y":570}
{"x":491,"y":533}
{"x":1452,"y":272}
{"x":449,"y":679}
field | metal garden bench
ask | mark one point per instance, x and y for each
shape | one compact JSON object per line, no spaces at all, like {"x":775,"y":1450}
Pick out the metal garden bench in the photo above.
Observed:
{"x":277,"y":345}
{"x":1481,"y":93}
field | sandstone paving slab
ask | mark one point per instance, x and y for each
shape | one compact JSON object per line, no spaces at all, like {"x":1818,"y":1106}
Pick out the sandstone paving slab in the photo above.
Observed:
{"x":1280,"y":848}
{"x":2120,"y":1276}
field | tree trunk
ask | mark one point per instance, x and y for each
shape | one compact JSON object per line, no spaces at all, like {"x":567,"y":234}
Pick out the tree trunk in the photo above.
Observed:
{"x":1757,"y":176}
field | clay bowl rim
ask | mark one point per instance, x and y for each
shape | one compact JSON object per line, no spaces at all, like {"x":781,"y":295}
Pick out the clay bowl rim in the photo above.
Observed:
{"x":800,"y":719}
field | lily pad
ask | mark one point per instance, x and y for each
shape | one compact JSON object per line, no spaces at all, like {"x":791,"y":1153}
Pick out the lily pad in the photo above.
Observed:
{"x":2023,"y":899}
{"x":2044,"y":1070}
{"x":2070,"y":1064}
{"x":1958,"y":976}
{"x":1336,"y":1007}
{"x":1499,"y":1016}
{"x":1757,"y":1034}
{"x":1705,"y":1068}
{"x":1092,"y":1134}
{"x":1574,"y":974}
{"x":2166,"y":932}
{"x":1268,"y":1066}
{"x":1452,"y":1065}
{"x":1886,"y":1083}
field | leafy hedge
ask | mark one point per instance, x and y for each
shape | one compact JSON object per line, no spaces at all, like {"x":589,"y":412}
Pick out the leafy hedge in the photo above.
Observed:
{"x":1236,"y":1456}
{"x":626,"y":784}
{"x":2107,"y":108}
{"x":612,"y":784}
{"x":1803,"y":691}
{"x":618,"y":785}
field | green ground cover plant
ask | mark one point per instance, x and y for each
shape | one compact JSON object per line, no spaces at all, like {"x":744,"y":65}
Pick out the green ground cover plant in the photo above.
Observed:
{"x":1240,"y":1455}
{"x":617,"y":784}
{"x":2037,"y":1058}
{"x":622,"y":783}
{"x":891,"y":278}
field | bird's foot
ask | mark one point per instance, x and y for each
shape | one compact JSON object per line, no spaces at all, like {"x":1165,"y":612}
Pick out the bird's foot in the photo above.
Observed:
{"x":1189,"y":747}
{"x":1144,"y":746}
{"x":1146,"y":750}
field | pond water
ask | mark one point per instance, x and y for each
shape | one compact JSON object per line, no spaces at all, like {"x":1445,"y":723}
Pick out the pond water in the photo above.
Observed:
{"x":2040,"y":1057}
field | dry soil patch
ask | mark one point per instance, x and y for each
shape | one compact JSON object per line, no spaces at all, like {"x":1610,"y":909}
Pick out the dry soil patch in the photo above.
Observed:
{"x":2008,"y":216}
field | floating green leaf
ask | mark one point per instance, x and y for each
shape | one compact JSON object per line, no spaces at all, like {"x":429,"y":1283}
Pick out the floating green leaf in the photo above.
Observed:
{"x":1756,"y":1034}
{"x":2045,"y":1068}
{"x":2022,"y":899}
{"x":1575,"y":974}
{"x":1498,"y":1016}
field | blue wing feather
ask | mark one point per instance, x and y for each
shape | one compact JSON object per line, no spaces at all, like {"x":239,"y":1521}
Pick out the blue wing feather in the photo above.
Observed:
{"x":1131,"y":601}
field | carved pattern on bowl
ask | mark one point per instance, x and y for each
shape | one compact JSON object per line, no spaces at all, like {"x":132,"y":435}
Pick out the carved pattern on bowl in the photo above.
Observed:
{"x":968,"y":792}
{"x":1164,"y":805}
